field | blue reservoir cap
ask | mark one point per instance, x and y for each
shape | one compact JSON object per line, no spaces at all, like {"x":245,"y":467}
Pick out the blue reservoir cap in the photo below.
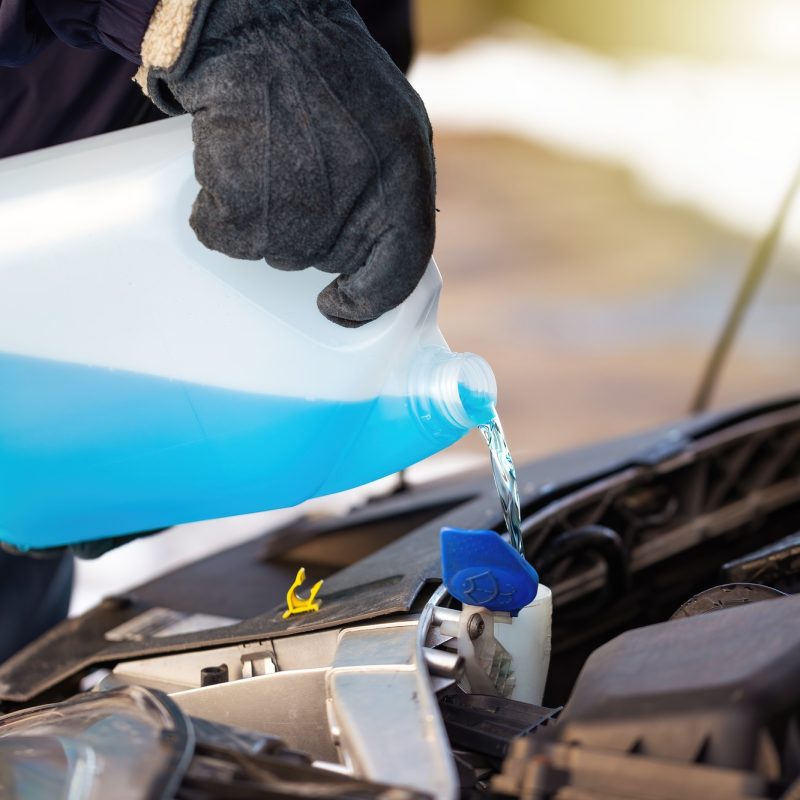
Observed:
{"x":480,"y":568}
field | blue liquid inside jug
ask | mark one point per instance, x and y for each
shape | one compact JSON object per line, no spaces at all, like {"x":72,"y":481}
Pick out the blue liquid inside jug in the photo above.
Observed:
{"x":89,"y":452}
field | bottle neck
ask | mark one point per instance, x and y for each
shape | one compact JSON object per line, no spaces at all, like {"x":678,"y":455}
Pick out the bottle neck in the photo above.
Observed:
{"x":456,"y":390}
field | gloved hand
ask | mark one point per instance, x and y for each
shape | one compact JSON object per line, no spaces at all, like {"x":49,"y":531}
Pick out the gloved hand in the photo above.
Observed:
{"x":311,"y":147}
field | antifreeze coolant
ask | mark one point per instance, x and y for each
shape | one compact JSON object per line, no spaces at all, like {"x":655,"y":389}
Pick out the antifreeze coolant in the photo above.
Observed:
{"x":147,"y":381}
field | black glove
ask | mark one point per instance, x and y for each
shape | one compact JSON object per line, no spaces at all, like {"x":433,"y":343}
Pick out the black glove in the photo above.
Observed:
{"x":311,"y":147}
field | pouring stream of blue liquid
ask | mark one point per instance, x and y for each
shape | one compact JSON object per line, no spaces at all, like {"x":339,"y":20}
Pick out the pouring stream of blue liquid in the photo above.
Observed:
{"x":505,"y":479}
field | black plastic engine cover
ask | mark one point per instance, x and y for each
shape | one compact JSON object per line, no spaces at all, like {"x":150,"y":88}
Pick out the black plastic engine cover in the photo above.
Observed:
{"x":718,"y":689}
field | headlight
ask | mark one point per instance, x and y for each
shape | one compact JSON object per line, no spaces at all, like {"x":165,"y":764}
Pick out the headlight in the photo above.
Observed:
{"x":128,"y":743}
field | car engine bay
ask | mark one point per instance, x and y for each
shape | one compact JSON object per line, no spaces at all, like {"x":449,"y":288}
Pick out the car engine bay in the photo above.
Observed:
{"x":660,"y":659}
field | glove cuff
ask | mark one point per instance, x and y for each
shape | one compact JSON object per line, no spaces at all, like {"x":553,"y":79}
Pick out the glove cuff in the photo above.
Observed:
{"x":168,"y":46}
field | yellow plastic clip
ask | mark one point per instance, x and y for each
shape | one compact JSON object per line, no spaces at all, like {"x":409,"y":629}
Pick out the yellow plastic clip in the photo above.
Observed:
{"x":300,"y":605}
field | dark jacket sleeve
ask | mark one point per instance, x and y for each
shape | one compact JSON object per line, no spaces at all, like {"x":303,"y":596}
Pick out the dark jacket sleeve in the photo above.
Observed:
{"x":26,"y":26}
{"x":23,"y":32}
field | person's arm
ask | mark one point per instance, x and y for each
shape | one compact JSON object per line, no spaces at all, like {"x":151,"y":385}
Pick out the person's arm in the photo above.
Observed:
{"x":311,"y":148}
{"x":23,"y":32}
{"x":27,"y":26}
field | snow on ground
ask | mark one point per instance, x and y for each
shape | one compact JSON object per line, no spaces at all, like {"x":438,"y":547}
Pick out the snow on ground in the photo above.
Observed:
{"x":722,"y":138}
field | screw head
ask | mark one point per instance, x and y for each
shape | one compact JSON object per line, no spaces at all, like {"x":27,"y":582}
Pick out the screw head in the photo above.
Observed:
{"x":475,"y":626}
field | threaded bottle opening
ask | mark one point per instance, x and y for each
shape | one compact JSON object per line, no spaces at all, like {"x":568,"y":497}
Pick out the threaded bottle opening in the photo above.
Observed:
{"x":458,"y":388}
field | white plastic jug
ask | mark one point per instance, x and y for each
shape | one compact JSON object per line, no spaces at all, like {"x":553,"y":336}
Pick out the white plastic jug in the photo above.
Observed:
{"x":147,"y":381}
